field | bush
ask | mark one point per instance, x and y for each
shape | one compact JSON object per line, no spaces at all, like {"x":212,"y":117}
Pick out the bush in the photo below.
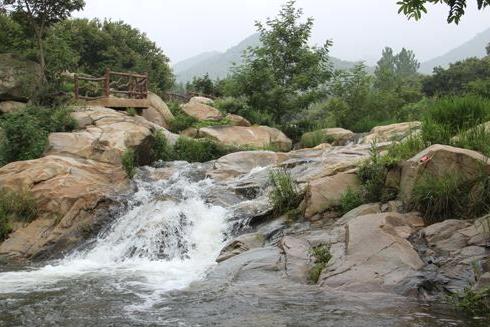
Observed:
{"x":350,"y":200}
{"x":128,"y":161}
{"x":286,"y":194}
{"x":181,"y":121}
{"x":201,"y":150}
{"x":26,"y":131}
{"x":372,"y":174}
{"x":404,"y":150}
{"x":161,"y":150}
{"x":322,"y":256}
{"x":312,"y":139}
{"x":473,"y":302}
{"x":446,"y":117}
{"x":450,"y":196}
{"x":20,"y":206}
{"x":209,"y":123}
{"x":476,"y":138}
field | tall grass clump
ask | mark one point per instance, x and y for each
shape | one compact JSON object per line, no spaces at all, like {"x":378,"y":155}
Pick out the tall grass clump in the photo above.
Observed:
{"x":286,"y":194}
{"x":449,"y":116}
{"x":161,"y":149}
{"x":349,"y":200}
{"x":451,"y":196}
{"x":15,"y":206}
{"x":321,"y":255}
{"x":25,"y":132}
{"x":128,"y":161}
{"x":372,"y":174}
{"x":476,"y":138}
{"x":476,"y":303}
{"x":312,"y":139}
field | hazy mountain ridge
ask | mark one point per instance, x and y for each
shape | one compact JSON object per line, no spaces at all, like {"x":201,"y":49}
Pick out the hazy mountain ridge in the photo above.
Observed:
{"x":218,"y":64}
{"x":475,"y":47}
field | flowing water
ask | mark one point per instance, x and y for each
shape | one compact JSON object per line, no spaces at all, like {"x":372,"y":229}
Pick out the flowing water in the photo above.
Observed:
{"x":138,"y":272}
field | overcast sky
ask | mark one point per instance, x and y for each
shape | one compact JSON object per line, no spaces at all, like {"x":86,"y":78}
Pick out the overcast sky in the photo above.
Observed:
{"x":359,"y":28}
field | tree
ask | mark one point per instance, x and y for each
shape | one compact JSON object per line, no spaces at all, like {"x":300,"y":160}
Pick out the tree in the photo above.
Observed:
{"x":416,"y":8}
{"x":406,"y":63}
{"x":284,"y":74}
{"x":203,"y":85}
{"x":39,"y":15}
{"x":392,"y":70}
{"x":488,"y":49}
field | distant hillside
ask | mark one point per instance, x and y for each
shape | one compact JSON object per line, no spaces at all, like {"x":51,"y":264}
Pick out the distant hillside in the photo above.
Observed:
{"x":218,"y":65}
{"x":473,"y":48}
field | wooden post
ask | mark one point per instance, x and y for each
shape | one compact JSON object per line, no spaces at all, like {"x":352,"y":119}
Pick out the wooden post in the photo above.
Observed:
{"x":107,"y":78}
{"x":76,"y":87}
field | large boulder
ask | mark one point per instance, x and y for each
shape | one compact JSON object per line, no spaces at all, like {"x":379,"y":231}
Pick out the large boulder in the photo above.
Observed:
{"x":441,"y":160}
{"x":19,"y":78}
{"x":69,"y":192}
{"x":335,"y":136}
{"x":11,"y":106}
{"x":203,"y":100}
{"x":393,"y":132}
{"x":254,"y":136}
{"x":241,"y":163}
{"x":158,"y":112}
{"x":201,"y":111}
{"x":373,"y":254}
{"x":237,"y":120}
{"x":106,"y":135}
{"x":241,"y":244}
{"x":325,"y":193}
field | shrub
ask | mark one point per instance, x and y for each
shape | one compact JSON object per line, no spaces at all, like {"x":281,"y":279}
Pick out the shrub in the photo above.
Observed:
{"x":438,"y":198}
{"x":372,"y":174}
{"x":449,"y":116}
{"x":350,"y":200}
{"x":322,"y":256}
{"x":128,"y":161}
{"x":20,"y":206}
{"x":201,"y":150}
{"x":286,"y":194}
{"x":26,"y":131}
{"x":476,"y":138}
{"x":404,"y":150}
{"x":161,"y":150}
{"x":131,"y":112}
{"x":312,"y":139}
{"x":209,"y":123}
{"x":473,"y":302}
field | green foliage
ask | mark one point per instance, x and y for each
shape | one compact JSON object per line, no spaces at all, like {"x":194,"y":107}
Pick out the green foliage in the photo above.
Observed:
{"x":285,"y":194}
{"x":200,"y":150}
{"x":161,"y":149}
{"x":204,"y":85}
{"x":416,"y":8}
{"x":129,"y":163}
{"x":15,"y":206}
{"x":404,"y":150}
{"x":446,"y":117}
{"x":312,"y":139}
{"x":476,"y":138}
{"x":181,"y":120}
{"x":322,"y":256}
{"x":284,"y":74}
{"x":467,"y":76}
{"x":451,"y":196}
{"x":392,"y":69}
{"x":131,"y":112}
{"x":26,"y":131}
{"x":472,"y":302}
{"x":209,"y":123}
{"x":91,"y":46}
{"x":350,"y":200}
{"x":372,"y":174}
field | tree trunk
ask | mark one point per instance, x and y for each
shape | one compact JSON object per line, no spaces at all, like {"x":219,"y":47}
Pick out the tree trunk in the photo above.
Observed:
{"x":42,"y":60}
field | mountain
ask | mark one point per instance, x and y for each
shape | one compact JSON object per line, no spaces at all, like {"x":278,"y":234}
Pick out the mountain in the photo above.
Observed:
{"x":218,"y":64}
{"x":472,"y":48}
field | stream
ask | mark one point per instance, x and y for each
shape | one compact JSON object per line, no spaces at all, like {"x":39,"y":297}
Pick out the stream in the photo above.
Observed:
{"x":150,"y":267}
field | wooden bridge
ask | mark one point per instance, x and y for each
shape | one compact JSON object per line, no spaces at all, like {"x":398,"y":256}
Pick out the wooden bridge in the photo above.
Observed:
{"x":114,"y":90}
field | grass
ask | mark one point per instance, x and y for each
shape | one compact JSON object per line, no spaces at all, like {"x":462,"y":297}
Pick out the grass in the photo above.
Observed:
{"x":322,"y":256}
{"x":129,"y":164}
{"x":476,"y":303}
{"x":315,"y":138}
{"x":350,"y":200}
{"x":211,"y":123}
{"x":15,"y":206}
{"x":372,"y":174}
{"x":285,"y":194}
{"x":450,"y":196}
{"x":161,"y":149}
{"x":131,"y":112}
{"x":476,"y":138}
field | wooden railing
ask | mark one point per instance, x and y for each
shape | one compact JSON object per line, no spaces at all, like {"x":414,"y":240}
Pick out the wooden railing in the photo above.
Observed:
{"x":135,"y":88}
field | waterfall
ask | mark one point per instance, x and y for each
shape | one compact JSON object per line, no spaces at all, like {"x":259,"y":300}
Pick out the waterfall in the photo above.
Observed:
{"x":168,"y":238}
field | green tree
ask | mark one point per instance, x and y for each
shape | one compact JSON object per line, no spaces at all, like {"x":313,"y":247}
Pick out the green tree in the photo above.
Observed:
{"x":39,"y":15}
{"x":284,"y":74}
{"x":488,"y":49}
{"x":91,"y":46}
{"x":416,"y":8}
{"x":203,"y":85}
{"x":406,"y":63}
{"x":385,"y":70}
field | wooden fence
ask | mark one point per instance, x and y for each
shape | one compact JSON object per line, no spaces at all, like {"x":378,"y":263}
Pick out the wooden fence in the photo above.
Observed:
{"x":135,"y":88}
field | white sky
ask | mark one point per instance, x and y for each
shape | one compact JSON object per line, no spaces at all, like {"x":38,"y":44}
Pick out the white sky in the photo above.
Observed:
{"x":359,"y":28}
